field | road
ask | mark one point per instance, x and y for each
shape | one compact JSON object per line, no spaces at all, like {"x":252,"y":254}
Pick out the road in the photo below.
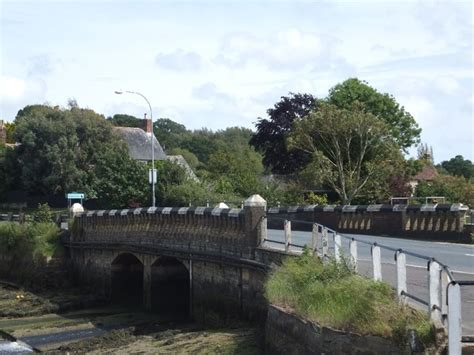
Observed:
{"x":459,"y":258}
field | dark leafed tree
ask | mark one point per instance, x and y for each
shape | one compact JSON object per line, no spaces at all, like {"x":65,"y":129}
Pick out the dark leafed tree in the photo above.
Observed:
{"x":270,"y":138}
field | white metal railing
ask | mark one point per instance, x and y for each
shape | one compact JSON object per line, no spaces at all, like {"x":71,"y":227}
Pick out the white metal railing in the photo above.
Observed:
{"x":444,"y":292}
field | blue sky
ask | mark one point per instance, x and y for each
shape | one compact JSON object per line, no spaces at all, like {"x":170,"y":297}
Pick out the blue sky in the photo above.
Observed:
{"x":217,"y":64}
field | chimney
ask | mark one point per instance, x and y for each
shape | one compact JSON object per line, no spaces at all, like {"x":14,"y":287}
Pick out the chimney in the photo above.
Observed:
{"x":147,"y":125}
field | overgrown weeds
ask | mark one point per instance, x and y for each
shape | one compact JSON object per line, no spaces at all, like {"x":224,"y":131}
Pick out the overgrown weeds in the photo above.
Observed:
{"x":333,"y":295}
{"x":33,"y":239}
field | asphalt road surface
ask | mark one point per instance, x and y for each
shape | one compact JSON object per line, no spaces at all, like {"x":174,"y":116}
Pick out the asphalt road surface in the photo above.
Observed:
{"x":458,"y":257}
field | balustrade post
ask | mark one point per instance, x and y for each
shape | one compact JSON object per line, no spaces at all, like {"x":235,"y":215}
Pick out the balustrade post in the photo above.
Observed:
{"x":314,"y":239}
{"x":454,"y":319}
{"x":287,"y":235}
{"x":325,"y":242}
{"x":263,"y":230}
{"x":444,"y":296}
{"x":337,"y":247}
{"x":376,"y":262}
{"x":353,"y":250}
{"x":435,"y":294}
{"x":400,"y":257}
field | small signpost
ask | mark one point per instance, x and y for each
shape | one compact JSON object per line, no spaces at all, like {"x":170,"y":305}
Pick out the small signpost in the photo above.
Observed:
{"x":74,"y":196}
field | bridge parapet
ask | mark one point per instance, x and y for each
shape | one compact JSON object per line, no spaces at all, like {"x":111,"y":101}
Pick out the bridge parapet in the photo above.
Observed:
{"x":223,"y":230}
{"x":431,"y":221}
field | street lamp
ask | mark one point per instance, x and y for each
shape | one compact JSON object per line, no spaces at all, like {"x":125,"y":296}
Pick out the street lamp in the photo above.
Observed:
{"x":153,"y":199}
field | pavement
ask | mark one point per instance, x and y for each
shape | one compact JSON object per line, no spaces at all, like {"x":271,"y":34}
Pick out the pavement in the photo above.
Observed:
{"x":458,"y":257}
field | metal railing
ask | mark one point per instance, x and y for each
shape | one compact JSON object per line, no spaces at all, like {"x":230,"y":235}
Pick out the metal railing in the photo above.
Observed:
{"x":444,"y":291}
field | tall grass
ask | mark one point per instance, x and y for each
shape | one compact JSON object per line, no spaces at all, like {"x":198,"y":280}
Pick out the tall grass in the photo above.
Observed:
{"x":29,"y":239}
{"x":333,"y":295}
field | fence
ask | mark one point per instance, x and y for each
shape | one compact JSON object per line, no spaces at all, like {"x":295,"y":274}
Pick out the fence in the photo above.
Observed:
{"x":23,"y":217}
{"x":443,"y":299}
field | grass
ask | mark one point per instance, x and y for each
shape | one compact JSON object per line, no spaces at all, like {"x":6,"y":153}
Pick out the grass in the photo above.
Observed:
{"x":332,"y":294}
{"x":29,"y":239}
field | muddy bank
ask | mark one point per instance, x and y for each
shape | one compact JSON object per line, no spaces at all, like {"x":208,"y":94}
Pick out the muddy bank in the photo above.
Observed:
{"x":28,"y":316}
{"x":18,"y":301}
{"x":169,"y":339}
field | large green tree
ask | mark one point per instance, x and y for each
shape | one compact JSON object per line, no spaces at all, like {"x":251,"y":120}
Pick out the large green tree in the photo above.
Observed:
{"x":349,"y":147}
{"x":236,"y":171}
{"x":63,"y":150}
{"x":458,"y":166}
{"x":401,"y":124}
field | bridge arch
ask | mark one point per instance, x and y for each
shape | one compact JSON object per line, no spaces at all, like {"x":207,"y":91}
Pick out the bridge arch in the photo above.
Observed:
{"x":170,"y":287}
{"x":127,"y":280}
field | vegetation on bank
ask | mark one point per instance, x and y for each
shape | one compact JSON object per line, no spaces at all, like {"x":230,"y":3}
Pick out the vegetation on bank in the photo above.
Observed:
{"x":332,"y":294}
{"x":35,"y":239}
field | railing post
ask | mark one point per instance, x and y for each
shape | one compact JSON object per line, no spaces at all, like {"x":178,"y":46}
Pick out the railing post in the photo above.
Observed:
{"x":376,"y":262}
{"x":454,"y":319}
{"x":263,"y":230}
{"x":287,"y":235}
{"x":401,"y":260}
{"x":444,"y":296}
{"x":314,"y":239}
{"x":325,"y":242}
{"x":435,"y":294}
{"x":353,"y":250}
{"x":337,"y":247}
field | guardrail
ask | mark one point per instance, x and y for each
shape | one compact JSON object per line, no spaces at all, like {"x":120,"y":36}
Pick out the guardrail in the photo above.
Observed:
{"x":444,"y":291}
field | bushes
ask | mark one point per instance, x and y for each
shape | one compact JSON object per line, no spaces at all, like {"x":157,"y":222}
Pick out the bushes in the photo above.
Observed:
{"x":31,"y":240}
{"x":333,"y":295}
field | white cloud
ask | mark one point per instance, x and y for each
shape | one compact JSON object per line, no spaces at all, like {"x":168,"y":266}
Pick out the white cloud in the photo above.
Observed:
{"x":11,"y":88}
{"x":180,"y":60}
{"x":288,"y":49}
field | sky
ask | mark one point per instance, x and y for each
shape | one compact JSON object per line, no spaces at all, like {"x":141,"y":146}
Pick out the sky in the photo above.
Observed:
{"x":218,"y":64}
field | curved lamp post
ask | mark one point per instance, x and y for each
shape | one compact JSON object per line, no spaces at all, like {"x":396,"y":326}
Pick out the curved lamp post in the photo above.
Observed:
{"x":153,"y":199}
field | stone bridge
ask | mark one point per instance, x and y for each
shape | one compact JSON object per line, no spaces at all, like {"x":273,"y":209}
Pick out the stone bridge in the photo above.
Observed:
{"x":209,"y":263}
{"x":199,"y":261}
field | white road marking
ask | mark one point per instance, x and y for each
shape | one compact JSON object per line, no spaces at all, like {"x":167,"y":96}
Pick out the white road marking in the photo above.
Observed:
{"x":419,"y":267}
{"x":469,"y":254}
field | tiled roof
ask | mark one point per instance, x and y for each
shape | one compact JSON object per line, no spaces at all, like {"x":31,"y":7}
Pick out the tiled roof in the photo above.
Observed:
{"x":428,"y":173}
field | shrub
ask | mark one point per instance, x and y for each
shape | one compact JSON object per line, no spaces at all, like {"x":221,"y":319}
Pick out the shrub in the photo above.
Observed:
{"x":43,"y":214}
{"x":333,"y":295}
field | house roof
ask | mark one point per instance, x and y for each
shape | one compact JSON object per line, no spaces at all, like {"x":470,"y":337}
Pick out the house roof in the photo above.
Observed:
{"x":428,"y":173}
{"x":179,"y":159}
{"x":139,"y":144}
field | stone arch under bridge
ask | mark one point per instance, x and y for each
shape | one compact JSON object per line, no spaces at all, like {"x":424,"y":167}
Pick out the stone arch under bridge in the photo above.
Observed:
{"x":127,"y":280}
{"x":161,"y":284}
{"x":170,"y":291}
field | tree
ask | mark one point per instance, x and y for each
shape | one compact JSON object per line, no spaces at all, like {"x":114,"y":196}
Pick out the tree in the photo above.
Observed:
{"x":401,"y":124}
{"x":73,"y":150}
{"x":169,"y":133}
{"x":349,"y":147}
{"x":270,"y":138}
{"x":10,"y":128}
{"x":236,"y":171}
{"x":458,"y":166}
{"x":122,"y":120}
{"x":455,"y":188}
